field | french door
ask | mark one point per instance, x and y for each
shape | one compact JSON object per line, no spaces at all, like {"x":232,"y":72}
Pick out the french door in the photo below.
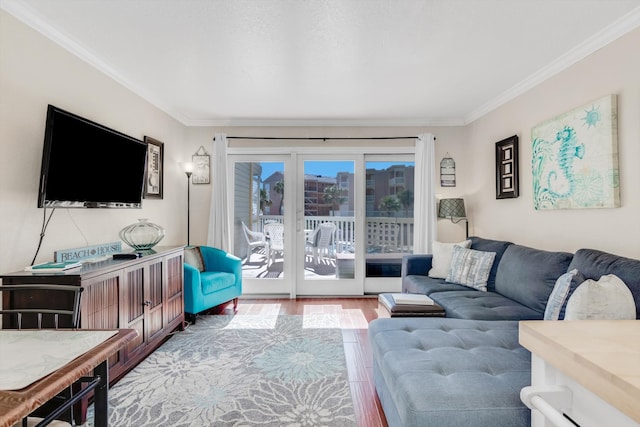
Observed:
{"x":327,"y":208}
{"x":313,"y":224}
{"x":261,"y":230}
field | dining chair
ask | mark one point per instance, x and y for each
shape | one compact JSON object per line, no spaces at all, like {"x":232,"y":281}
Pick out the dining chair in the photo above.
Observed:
{"x":255,"y":239}
{"x":45,"y":306}
{"x":40,"y":306}
{"x":274,"y":232}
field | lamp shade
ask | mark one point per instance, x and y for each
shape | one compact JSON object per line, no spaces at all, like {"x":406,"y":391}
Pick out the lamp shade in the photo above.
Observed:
{"x":187,"y":167}
{"x":451,"y":208}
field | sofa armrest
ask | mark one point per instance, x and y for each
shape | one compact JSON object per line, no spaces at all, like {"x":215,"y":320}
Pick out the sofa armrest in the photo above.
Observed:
{"x":416,"y":264}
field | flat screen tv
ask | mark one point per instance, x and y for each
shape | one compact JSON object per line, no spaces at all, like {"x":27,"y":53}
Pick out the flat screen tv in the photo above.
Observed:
{"x":87,"y":165}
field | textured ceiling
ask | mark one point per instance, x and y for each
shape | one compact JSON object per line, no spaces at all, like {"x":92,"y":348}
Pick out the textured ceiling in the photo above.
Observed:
{"x":329,"y":62}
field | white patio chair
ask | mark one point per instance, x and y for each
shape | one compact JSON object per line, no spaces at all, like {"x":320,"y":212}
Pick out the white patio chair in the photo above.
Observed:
{"x":275,"y":234}
{"x":322,"y":240}
{"x":255,"y":239}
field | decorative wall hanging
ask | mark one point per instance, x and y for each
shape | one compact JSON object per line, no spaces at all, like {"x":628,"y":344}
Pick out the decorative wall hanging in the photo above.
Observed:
{"x":447,"y":172}
{"x":575,"y":158}
{"x":155,"y":169}
{"x":507,"y":180}
{"x":201,"y":167}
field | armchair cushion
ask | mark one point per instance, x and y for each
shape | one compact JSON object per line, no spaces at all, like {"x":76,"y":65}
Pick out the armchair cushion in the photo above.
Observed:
{"x":213,"y":281}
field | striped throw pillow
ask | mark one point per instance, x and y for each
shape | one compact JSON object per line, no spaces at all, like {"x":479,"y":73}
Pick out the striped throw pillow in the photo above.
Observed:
{"x":562,"y":290}
{"x":470,"y":267}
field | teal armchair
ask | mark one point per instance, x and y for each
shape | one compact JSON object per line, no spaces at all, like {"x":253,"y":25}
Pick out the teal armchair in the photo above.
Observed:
{"x":211,"y":277}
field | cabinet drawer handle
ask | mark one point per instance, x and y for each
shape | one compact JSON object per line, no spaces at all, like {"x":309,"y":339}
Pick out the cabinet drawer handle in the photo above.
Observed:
{"x":147,"y":303}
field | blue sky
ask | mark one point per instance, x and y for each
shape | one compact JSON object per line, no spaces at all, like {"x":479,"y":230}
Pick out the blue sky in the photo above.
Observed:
{"x":324,"y":167}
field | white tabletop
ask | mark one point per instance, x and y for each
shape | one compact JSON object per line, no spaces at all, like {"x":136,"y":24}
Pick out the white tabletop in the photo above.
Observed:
{"x":28,"y":355}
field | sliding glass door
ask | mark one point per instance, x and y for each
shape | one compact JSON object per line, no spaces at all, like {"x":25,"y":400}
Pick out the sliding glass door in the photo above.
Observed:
{"x":389,"y":193}
{"x":311,"y":224}
{"x":259,"y":223}
{"x":327,"y":227}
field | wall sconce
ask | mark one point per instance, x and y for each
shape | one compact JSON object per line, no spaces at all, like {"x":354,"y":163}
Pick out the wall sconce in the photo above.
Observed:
{"x":188,"y":170}
{"x":453,"y":209}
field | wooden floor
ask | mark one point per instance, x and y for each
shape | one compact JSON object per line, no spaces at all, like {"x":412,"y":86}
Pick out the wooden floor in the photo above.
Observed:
{"x":354,"y":314}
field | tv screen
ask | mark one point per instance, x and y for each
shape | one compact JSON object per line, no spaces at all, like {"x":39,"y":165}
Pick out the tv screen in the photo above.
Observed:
{"x":87,"y":165}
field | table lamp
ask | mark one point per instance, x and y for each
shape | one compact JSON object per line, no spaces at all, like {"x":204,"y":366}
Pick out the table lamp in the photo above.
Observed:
{"x":454,"y":210}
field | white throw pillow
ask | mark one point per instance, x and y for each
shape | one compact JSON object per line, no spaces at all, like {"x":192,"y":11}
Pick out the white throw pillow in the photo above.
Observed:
{"x":606,"y":299}
{"x":471,"y":268}
{"x":441,"y":262}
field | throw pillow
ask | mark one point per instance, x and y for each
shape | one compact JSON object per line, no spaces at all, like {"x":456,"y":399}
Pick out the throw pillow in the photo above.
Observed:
{"x":606,"y":299}
{"x":562,"y":291}
{"x":470,"y":267}
{"x":441,"y":261}
{"x":192,"y":256}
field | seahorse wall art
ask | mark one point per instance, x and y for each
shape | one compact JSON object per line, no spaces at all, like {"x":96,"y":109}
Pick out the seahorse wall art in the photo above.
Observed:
{"x":575,"y":158}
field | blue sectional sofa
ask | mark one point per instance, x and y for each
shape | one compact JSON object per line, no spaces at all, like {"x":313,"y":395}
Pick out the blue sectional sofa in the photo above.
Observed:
{"x":468,"y":369}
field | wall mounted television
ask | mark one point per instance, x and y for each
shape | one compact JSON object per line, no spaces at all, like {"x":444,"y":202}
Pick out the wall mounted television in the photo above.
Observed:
{"x":87,"y":165}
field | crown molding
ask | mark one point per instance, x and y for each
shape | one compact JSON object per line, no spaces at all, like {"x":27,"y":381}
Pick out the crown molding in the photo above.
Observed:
{"x":612,"y":32}
{"x":324,"y":122}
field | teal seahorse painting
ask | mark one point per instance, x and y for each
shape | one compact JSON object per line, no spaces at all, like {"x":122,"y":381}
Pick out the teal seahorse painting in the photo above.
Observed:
{"x":575,"y":158}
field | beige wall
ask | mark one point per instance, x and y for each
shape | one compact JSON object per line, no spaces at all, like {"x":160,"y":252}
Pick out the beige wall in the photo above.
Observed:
{"x":35,"y":72}
{"x":449,"y":139}
{"x":615,"y":69}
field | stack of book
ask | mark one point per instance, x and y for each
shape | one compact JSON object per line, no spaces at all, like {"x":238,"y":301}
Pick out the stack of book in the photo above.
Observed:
{"x":412,"y":299}
{"x":53,"y":267}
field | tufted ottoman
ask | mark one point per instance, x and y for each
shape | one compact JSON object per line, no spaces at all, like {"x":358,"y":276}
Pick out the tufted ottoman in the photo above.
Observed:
{"x":433,"y":372}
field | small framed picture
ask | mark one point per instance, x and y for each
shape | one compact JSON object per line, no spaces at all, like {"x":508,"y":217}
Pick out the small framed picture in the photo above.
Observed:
{"x":155,"y":168}
{"x":507,"y":168}
{"x":201,"y":167}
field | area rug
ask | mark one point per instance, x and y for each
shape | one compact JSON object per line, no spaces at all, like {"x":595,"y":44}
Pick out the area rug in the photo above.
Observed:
{"x":240,"y":370}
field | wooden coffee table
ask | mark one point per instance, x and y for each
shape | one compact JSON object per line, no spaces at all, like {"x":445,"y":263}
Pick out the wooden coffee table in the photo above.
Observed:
{"x":388,"y":308}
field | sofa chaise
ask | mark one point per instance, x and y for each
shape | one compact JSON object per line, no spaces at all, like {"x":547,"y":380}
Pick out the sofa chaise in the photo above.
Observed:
{"x":468,"y":369}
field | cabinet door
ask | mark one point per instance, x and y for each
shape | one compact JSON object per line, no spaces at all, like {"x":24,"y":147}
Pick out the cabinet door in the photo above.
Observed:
{"x":132,"y":304}
{"x":173,"y":293}
{"x":153,"y":302}
{"x":100,"y":306}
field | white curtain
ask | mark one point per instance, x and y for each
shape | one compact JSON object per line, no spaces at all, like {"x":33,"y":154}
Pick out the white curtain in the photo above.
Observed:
{"x":425,"y":227}
{"x":219,"y":234}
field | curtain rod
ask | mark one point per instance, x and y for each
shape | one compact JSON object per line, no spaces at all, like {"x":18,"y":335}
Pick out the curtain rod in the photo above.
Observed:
{"x":321,"y":138}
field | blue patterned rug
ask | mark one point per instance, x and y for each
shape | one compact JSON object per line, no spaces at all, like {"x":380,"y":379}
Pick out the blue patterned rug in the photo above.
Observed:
{"x":240,"y":371}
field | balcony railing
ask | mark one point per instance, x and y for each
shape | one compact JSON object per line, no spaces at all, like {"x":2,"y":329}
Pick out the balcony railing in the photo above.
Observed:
{"x":383,"y":234}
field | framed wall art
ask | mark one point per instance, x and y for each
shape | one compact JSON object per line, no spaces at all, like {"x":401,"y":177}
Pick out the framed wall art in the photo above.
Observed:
{"x":155,"y":169}
{"x":507,"y":180}
{"x":201,"y":167}
{"x":575,"y":158}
